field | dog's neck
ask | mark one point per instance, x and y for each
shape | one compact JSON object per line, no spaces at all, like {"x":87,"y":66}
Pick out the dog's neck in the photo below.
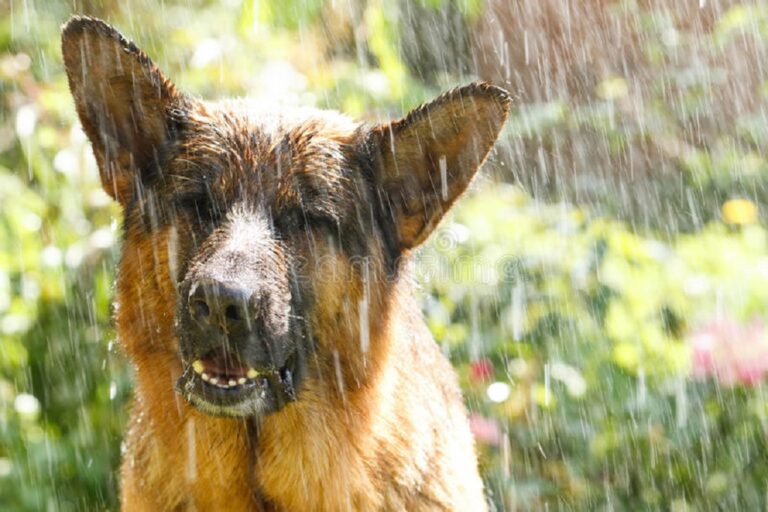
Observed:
{"x":298,"y":453}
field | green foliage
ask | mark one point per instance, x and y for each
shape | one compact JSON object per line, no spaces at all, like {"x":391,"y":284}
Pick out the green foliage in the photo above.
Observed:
{"x":62,"y":396}
{"x":584,"y":320}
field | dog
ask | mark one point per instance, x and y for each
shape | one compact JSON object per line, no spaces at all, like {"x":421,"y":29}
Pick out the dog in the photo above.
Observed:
{"x":263,"y":294}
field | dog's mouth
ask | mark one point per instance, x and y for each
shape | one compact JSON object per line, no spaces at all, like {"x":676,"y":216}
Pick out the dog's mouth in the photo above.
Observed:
{"x":219,"y":384}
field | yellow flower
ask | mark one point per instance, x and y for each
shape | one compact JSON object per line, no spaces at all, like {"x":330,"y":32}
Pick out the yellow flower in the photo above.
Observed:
{"x":739,"y":211}
{"x":626,"y":355}
{"x":612,"y":88}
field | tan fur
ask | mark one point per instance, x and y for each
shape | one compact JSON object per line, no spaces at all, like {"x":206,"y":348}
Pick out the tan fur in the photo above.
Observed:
{"x":379,"y":422}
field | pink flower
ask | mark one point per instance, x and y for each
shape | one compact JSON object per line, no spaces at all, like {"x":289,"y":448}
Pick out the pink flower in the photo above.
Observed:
{"x":730,"y":352}
{"x":485,"y":430}
{"x":481,"y":370}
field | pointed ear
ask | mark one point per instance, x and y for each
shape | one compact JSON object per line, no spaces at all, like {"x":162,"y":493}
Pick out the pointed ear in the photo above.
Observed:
{"x":425,"y":161}
{"x":123,"y":101}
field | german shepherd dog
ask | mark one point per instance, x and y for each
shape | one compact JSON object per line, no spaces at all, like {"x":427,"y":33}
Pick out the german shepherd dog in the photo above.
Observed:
{"x":263,"y":295}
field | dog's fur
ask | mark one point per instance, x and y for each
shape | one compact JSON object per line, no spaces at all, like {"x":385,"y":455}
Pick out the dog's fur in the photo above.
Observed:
{"x":320,"y":213}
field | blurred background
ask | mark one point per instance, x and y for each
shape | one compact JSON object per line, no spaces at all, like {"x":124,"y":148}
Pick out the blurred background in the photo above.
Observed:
{"x":601,"y":291}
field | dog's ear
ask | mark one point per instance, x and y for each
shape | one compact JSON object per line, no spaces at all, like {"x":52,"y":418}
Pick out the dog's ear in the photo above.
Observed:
{"x":123,"y":101}
{"x":425,"y":161}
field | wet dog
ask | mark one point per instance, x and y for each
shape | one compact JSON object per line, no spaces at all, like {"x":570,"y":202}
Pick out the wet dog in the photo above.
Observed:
{"x":263,"y":296}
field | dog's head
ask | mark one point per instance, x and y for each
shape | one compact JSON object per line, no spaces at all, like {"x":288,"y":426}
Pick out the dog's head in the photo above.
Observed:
{"x":260,"y":244}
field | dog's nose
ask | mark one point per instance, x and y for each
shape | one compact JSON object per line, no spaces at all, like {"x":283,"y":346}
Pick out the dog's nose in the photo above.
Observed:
{"x":244,"y":321}
{"x":223,"y":305}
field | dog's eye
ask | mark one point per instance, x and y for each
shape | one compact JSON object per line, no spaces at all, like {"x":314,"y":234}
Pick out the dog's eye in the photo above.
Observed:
{"x":200,"y":206}
{"x":321,"y":222}
{"x":299,"y":220}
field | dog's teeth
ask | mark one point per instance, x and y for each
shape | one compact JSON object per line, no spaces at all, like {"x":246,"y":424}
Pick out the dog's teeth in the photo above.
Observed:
{"x":241,"y":380}
{"x":214,"y":380}
{"x":205,"y":377}
{"x":198,"y":366}
{"x":252,"y":373}
{"x":232,"y":382}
